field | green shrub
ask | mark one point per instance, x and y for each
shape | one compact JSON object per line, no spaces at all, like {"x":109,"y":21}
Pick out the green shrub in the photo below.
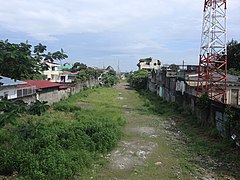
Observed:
{"x":38,"y":108}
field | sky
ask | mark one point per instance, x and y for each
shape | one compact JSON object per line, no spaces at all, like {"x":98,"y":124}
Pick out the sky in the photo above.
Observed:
{"x":113,"y":32}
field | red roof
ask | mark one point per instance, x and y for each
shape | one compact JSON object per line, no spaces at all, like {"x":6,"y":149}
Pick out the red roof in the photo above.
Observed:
{"x":42,"y":84}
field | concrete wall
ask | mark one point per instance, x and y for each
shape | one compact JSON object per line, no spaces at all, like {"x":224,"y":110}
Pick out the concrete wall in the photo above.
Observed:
{"x":28,"y":99}
{"x":53,"y":95}
{"x":214,"y":116}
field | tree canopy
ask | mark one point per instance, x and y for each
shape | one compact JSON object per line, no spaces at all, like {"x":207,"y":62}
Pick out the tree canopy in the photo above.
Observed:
{"x":233,"y":55}
{"x":20,"y":61}
{"x":77,"y":66}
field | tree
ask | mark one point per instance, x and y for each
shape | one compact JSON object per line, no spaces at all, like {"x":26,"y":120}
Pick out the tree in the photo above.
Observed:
{"x":18,"y":61}
{"x":78,"y":67}
{"x":86,"y":74}
{"x":110,"y":78}
{"x":138,"y":79}
{"x":233,"y":55}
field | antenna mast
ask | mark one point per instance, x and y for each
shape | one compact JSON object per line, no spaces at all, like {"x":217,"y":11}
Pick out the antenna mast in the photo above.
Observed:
{"x":212,"y":69}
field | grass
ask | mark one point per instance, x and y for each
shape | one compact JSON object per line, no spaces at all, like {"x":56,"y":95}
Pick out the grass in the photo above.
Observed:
{"x":64,"y":141}
{"x":202,"y":142}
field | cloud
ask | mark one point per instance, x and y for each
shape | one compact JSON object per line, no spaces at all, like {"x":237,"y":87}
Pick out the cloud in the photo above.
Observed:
{"x":47,"y":19}
{"x":109,"y":28}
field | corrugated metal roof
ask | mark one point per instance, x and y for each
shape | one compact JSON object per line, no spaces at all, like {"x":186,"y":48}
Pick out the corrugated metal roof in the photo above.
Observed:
{"x":5,"y":81}
{"x":42,"y":84}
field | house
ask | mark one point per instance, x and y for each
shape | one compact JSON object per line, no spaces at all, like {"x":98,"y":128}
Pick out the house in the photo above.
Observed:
{"x":49,"y":91}
{"x":149,"y":64}
{"x":52,"y":74}
{"x":67,"y":77}
{"x":9,"y":88}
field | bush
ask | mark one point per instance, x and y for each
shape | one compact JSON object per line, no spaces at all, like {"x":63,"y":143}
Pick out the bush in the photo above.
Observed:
{"x":38,"y":108}
{"x":138,"y":79}
{"x":57,"y":149}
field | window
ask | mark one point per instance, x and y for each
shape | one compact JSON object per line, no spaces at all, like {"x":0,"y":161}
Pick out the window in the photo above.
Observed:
{"x":6,"y":95}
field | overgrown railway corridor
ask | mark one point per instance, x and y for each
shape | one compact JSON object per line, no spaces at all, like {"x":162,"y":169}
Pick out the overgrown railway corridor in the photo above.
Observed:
{"x":152,"y":147}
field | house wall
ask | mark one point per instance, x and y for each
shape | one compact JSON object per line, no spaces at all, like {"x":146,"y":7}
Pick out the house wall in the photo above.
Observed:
{"x":52,"y":73}
{"x":8,"y":91}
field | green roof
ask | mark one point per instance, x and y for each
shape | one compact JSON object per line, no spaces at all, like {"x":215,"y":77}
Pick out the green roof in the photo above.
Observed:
{"x":65,"y":66}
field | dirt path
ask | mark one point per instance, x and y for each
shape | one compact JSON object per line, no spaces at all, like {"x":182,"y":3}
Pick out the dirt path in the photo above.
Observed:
{"x":149,"y":148}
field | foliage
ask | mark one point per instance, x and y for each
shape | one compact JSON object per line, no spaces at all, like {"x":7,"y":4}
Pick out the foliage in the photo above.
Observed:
{"x":138,"y":79}
{"x":16,"y":60}
{"x":233,"y":55}
{"x":11,"y":110}
{"x":203,"y":102}
{"x":77,"y":66}
{"x":110,"y":77}
{"x":60,"y":143}
{"x":233,"y":71}
{"x":86,"y":74}
{"x":19,"y":62}
{"x":156,"y":104}
{"x":38,"y":108}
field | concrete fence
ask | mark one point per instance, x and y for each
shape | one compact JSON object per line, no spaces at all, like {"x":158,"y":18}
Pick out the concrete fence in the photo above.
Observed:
{"x":53,"y":95}
{"x":214,"y":115}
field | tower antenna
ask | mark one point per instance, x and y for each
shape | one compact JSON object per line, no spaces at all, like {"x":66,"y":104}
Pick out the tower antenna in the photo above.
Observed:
{"x":212,"y":69}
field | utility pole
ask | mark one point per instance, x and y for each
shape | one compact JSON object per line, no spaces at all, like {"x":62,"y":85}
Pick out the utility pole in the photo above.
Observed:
{"x":212,"y":69}
{"x":118,"y":69}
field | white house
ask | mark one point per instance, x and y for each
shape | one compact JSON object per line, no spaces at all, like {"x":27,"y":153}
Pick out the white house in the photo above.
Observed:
{"x":8,"y":87}
{"x":53,"y":74}
{"x":149,"y":64}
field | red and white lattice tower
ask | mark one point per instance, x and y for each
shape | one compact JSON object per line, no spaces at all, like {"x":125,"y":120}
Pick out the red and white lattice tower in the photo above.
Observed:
{"x":212,"y":70}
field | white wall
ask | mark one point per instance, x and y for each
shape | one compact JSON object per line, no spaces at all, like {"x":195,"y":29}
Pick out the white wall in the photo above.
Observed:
{"x":10,"y":91}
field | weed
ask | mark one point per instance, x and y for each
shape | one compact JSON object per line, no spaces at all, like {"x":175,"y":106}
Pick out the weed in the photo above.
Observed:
{"x":61,"y":143}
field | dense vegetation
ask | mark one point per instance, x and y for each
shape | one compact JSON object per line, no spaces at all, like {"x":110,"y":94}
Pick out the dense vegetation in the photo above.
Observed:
{"x":138,"y":79}
{"x":62,"y":142}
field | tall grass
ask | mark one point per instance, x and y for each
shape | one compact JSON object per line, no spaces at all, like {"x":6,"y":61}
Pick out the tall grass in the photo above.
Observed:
{"x":64,"y":141}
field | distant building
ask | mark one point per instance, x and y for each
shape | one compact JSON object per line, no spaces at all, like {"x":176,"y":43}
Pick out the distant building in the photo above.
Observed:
{"x":52,"y":74}
{"x":149,"y":64}
{"x":67,"y":77}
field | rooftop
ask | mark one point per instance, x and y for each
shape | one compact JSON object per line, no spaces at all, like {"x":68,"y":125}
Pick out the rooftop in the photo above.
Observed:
{"x":5,"y":81}
{"x":42,"y":84}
